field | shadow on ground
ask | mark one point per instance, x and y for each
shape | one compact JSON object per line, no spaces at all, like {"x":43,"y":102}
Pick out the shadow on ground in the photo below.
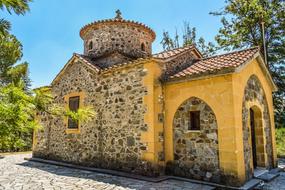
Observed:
{"x":83,"y":174}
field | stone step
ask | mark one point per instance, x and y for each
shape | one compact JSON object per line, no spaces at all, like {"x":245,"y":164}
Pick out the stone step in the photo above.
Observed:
{"x":259,"y":171}
{"x":208,"y":185}
{"x":276,"y":170}
{"x":251,"y":184}
{"x":267,"y":177}
{"x":99,"y":170}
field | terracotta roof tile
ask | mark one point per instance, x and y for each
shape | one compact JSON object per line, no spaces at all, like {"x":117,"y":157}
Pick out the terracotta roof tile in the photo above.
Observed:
{"x":217,"y":63}
{"x":171,"y":53}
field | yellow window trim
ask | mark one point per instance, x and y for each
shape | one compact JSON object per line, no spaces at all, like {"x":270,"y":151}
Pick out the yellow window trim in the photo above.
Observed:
{"x":81,"y":105}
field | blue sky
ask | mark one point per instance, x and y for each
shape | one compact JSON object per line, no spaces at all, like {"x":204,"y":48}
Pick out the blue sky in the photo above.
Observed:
{"x":50,"y":31}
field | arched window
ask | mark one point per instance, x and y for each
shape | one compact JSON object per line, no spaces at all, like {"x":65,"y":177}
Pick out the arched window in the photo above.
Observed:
{"x":142,"y":47}
{"x":90,"y":46}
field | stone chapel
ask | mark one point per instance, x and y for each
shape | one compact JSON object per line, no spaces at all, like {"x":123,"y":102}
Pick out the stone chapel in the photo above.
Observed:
{"x":171,"y":113}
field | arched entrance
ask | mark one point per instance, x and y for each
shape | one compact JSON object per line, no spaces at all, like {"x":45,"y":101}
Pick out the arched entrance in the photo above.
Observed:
{"x":257,"y":138}
{"x":256,"y":126}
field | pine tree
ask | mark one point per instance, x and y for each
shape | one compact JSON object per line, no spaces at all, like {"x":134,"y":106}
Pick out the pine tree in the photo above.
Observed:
{"x":189,"y":37}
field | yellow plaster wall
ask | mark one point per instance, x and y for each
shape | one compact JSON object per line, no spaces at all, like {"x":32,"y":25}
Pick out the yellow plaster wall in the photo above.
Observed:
{"x":217,"y":92}
{"x":239,"y":81}
{"x":153,"y":107}
{"x":224,"y":94}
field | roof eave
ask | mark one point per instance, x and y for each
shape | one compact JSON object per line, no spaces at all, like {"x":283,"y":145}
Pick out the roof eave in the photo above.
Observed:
{"x":200,"y":76}
{"x":73,"y":58}
{"x":268,"y":75}
{"x":197,"y":51}
{"x":226,"y":71}
{"x":179,"y":54}
{"x":264,"y":68}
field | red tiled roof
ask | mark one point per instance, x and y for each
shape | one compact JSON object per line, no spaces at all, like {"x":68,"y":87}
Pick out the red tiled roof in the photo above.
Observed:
{"x":203,"y":66}
{"x":217,"y":63}
{"x":171,"y":53}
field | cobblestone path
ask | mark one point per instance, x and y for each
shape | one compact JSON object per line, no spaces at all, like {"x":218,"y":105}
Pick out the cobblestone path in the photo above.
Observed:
{"x":16,"y":173}
{"x":279,"y":182}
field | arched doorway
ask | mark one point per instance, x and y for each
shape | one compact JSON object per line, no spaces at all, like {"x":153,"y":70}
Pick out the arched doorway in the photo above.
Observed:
{"x":255,"y":112}
{"x":257,"y":138}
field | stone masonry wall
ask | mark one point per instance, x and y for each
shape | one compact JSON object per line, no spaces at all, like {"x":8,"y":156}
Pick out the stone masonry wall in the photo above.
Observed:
{"x":254,"y":92}
{"x":112,"y":139}
{"x":177,"y":64}
{"x":120,"y":38}
{"x":195,"y":152}
{"x":110,"y":60}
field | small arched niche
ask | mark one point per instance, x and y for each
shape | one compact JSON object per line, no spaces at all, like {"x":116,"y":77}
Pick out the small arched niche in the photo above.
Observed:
{"x":90,"y":45}
{"x":142,"y":46}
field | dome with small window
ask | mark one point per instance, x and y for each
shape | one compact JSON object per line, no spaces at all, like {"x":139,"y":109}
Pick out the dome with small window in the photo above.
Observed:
{"x":130,"y":38}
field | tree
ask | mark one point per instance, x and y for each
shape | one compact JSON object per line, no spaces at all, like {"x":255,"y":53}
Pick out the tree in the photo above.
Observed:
{"x":10,"y":52}
{"x":189,"y":37}
{"x":15,"y":123}
{"x":19,"y":7}
{"x":16,"y":6}
{"x":11,"y":48}
{"x":167,"y":42}
{"x":19,"y":104}
{"x":242,"y":27}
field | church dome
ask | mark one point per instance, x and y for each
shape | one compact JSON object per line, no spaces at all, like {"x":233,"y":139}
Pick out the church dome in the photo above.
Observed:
{"x":130,"y":38}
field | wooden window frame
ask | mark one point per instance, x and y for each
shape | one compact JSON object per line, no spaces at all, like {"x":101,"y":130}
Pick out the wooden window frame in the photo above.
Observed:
{"x":70,"y":123}
{"x":191,"y":114}
{"x":81,"y":96}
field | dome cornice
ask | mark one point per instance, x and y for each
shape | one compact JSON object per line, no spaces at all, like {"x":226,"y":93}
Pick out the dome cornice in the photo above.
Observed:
{"x":117,"y":20}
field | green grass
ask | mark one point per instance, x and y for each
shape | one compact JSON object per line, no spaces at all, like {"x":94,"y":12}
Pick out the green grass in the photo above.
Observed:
{"x":280,"y":141}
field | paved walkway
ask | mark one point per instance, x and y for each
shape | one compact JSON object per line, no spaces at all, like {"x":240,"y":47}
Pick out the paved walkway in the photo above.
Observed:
{"x":16,"y":173}
{"x":277,"y":184}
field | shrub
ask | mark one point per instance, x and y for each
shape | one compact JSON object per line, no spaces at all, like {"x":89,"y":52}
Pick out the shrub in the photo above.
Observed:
{"x":280,"y":141}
